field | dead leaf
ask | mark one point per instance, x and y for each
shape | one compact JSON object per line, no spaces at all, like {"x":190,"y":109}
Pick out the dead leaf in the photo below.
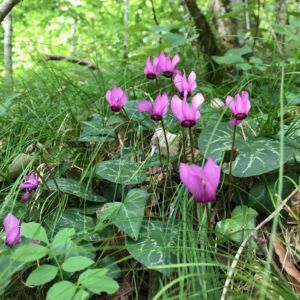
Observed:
{"x":173,"y":141}
{"x":287,"y":261}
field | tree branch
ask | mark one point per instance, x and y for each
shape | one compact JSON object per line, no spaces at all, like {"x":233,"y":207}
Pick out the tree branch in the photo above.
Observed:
{"x":72,"y":60}
{"x":6,"y":7}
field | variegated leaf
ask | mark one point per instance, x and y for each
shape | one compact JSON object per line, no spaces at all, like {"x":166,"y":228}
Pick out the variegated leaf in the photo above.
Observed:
{"x":120,"y":171}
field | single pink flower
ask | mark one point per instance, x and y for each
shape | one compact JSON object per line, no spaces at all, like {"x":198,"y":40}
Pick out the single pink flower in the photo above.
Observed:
{"x":12,"y":229}
{"x":158,"y":110}
{"x":30,"y":183}
{"x":151,"y":69}
{"x":116,"y":98}
{"x":185,"y":85}
{"x":168,"y":66}
{"x":187,"y":115}
{"x":239,"y":106}
{"x":201,"y":182}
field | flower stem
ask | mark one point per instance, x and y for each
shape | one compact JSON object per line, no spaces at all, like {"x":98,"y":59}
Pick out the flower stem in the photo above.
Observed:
{"x":50,"y":173}
{"x":192,"y":144}
{"x":183,"y":144}
{"x":125,"y":113}
{"x":232,"y":151}
{"x":166,"y":139}
{"x":207,"y":215}
{"x":157,"y":84}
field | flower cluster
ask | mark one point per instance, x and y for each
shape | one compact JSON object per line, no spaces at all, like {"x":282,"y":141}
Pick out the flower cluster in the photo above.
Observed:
{"x":202,"y":182}
{"x":11,"y":224}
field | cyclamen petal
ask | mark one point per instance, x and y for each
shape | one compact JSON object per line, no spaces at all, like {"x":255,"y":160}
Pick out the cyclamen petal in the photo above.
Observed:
{"x":116,"y":98}
{"x":201,"y":182}
{"x":30,"y":183}
{"x":185,"y":85}
{"x":187,"y":115}
{"x":158,"y":110}
{"x":151,"y":70}
{"x":12,"y":229}
{"x":168,"y":66}
{"x":239,"y":106}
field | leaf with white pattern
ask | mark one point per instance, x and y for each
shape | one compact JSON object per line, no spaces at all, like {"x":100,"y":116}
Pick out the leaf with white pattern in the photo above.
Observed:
{"x":120,"y":171}
{"x":154,"y":246}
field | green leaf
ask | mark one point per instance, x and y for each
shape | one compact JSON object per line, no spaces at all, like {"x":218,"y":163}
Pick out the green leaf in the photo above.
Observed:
{"x":241,"y":223}
{"x":34,"y":231}
{"x":31,"y":252}
{"x":233,"y":56}
{"x":77,"y":263}
{"x":174,"y":39}
{"x":259,"y":156}
{"x":63,"y":290}
{"x":81,"y":295}
{"x":73,"y":218}
{"x":120,"y":171}
{"x":130,"y":215}
{"x":74,"y":187}
{"x":255,"y":156}
{"x":97,"y":282}
{"x":216,"y":140}
{"x":61,"y":237}
{"x":154,"y":246}
{"x":94,"y":131}
{"x":42,"y":275}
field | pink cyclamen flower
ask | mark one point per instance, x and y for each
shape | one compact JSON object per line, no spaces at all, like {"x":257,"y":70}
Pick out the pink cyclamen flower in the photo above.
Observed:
{"x":168,"y":66}
{"x":185,"y":85}
{"x":186,"y":115}
{"x":12,"y":229}
{"x":158,"y":110}
{"x":239,"y":106}
{"x":201,"y":182}
{"x":116,"y":98}
{"x":30,"y":183}
{"x":151,"y":69}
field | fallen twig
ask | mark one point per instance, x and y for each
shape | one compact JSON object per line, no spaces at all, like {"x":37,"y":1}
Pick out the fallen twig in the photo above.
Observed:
{"x":72,"y":60}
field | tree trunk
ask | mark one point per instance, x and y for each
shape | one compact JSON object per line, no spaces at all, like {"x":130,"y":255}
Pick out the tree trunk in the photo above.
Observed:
{"x":206,"y":37}
{"x":8,"y":64}
{"x":226,"y":36}
{"x":125,"y":37}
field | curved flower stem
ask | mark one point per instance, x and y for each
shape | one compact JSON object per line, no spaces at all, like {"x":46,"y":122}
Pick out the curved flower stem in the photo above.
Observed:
{"x":166,"y":139}
{"x":183,"y":144}
{"x":207,"y":215}
{"x":232,"y":151}
{"x":230,"y":166}
{"x":192,"y":144}
{"x":125,"y":113}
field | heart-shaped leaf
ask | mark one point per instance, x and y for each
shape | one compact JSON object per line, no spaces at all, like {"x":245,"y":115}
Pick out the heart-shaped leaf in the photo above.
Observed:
{"x":94,"y":131}
{"x":129,"y":214}
{"x":120,"y":171}
{"x":154,"y":246}
{"x":76,"y":188}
